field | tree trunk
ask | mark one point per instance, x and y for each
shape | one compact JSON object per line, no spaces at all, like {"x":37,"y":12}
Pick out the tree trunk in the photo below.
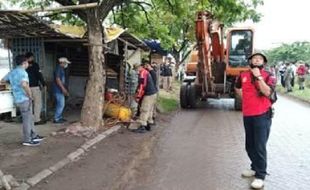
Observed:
{"x":91,"y":115}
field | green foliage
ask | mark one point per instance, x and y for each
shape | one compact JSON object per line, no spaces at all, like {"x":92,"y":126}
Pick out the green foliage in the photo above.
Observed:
{"x":173,"y":21}
{"x":170,"y":21}
{"x":32,"y":3}
{"x":64,"y":18}
{"x":289,"y":53}
{"x":303,"y":95}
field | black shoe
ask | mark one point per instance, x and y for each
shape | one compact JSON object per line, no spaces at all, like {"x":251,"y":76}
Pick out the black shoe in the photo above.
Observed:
{"x":40,"y":122}
{"x":59,"y":121}
{"x":141,"y":129}
{"x":148,"y":127}
{"x":31,"y":143}
{"x":38,"y":138}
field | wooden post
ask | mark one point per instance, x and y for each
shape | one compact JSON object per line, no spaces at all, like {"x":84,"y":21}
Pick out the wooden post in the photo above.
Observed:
{"x":62,"y":8}
{"x":122,"y":69}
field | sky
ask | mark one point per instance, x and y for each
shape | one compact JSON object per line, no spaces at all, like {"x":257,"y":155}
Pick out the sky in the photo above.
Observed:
{"x":283,"y":21}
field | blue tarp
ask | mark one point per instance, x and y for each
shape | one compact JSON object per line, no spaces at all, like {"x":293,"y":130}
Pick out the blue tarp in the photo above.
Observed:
{"x":154,"y":45}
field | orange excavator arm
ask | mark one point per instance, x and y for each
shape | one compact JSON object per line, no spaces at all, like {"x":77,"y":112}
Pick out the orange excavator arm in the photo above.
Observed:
{"x":209,"y":36}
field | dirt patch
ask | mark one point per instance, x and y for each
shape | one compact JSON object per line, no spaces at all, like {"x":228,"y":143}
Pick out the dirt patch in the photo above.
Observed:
{"x":24,"y":162}
{"x":135,"y":171}
{"x":111,"y":164}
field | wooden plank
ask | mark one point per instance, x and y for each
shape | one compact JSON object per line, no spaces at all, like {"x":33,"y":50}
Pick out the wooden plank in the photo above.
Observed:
{"x":62,"y":8}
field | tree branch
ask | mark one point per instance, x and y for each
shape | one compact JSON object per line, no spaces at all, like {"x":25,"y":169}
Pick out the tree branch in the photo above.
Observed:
{"x":122,"y":16}
{"x":107,"y":5}
{"x":170,"y":5}
{"x":80,"y":13}
{"x":143,"y":9}
{"x":185,"y":56}
{"x":141,"y":3}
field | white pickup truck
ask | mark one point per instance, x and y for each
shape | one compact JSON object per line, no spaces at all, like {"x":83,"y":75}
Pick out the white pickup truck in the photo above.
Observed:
{"x":6,"y":97}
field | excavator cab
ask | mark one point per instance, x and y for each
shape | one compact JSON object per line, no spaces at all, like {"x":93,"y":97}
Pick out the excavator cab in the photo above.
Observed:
{"x":239,"y":48}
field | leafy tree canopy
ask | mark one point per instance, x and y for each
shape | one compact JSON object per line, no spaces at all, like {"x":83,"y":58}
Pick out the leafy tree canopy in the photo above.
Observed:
{"x":289,"y":53}
{"x":173,"y":21}
{"x":170,"y":21}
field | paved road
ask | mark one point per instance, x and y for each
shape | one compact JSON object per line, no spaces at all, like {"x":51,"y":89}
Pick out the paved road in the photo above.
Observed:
{"x":204,"y":150}
{"x":200,"y":149}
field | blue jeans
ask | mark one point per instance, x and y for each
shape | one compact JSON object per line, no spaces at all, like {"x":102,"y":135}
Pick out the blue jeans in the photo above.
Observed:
{"x":257,"y":129}
{"x":60,"y":105}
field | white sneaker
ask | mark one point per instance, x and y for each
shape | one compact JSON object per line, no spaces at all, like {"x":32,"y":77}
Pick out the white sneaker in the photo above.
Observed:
{"x":248,"y":173}
{"x":257,"y":183}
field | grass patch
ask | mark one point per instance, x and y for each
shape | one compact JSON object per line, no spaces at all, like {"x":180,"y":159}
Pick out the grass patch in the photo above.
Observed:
{"x":168,"y":104}
{"x":169,"y":101}
{"x":299,"y":94}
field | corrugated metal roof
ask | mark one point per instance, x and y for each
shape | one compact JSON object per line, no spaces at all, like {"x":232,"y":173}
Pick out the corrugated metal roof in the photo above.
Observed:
{"x":14,"y":24}
{"x":134,"y":40}
{"x":69,"y":30}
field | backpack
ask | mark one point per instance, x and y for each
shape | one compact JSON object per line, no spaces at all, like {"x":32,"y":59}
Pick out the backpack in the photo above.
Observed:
{"x":273,"y":96}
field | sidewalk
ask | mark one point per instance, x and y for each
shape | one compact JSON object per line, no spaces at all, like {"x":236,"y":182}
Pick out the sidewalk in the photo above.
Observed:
{"x":24,"y":162}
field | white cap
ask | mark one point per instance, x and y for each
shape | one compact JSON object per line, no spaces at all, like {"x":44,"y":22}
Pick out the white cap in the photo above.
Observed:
{"x":64,"y":60}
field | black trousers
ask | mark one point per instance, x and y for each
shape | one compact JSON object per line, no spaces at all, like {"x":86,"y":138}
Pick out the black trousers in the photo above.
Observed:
{"x":257,"y":129}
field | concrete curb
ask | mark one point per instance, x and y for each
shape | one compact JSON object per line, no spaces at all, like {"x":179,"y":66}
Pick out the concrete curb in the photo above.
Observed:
{"x":73,"y":156}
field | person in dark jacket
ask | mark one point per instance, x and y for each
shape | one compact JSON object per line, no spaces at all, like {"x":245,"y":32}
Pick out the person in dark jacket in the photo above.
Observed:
{"x":146,"y":91}
{"x":153,"y":73}
{"x":166,"y":74}
{"x":36,"y":82}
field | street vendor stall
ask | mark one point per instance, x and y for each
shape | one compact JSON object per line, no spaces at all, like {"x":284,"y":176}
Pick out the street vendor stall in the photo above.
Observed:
{"x":48,"y":41}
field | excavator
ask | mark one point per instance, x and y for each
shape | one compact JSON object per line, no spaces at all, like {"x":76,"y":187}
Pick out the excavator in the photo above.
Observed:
{"x":212,"y":68}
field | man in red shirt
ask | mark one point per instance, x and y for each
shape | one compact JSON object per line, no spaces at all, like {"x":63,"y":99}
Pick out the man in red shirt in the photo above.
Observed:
{"x":255,"y":86}
{"x":301,"y":73}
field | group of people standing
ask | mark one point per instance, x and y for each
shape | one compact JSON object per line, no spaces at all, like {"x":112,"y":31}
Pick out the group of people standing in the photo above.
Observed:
{"x":166,"y":74}
{"x":148,"y":88}
{"x":27,"y":83}
{"x":288,"y":73}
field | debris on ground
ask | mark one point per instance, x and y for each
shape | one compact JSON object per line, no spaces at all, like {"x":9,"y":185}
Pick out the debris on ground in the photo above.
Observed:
{"x":77,"y":129}
{"x":7,"y":182}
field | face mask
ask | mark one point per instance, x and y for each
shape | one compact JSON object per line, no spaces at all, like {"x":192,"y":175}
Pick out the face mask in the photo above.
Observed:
{"x":256,"y":66}
{"x":65,"y":66}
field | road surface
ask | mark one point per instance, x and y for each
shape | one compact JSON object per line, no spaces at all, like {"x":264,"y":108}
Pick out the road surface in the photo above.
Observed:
{"x":204,"y":150}
{"x":200,"y":149}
